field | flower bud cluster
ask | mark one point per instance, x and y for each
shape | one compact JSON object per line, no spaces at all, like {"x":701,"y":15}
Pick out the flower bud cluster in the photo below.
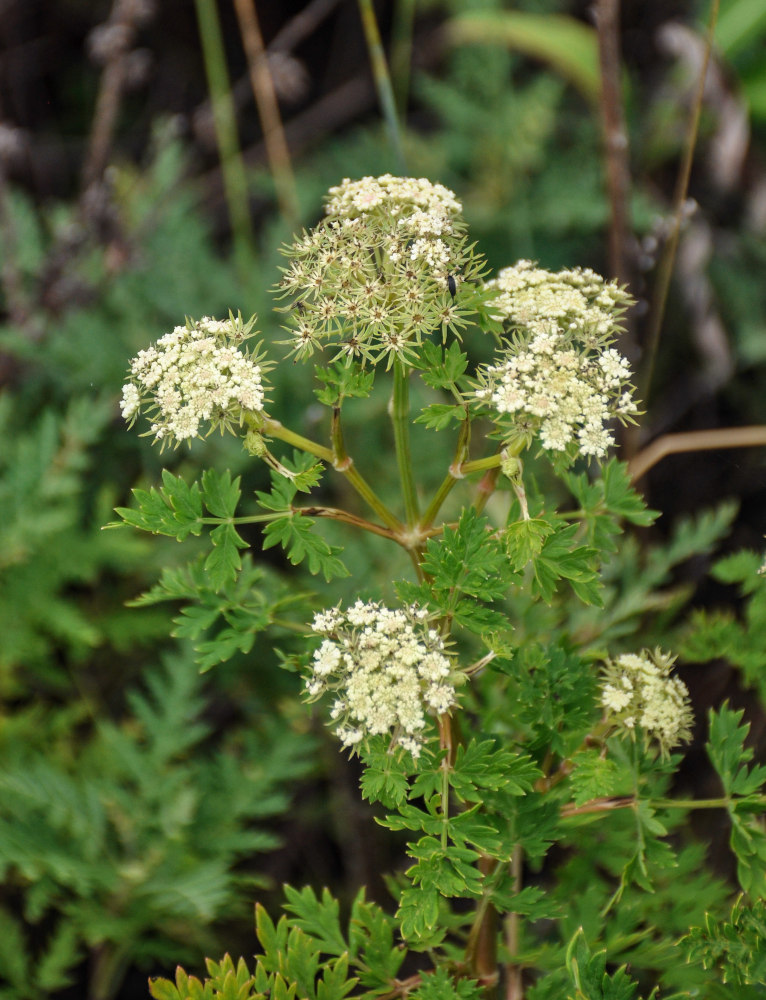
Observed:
{"x":637,"y":690}
{"x":387,"y":670}
{"x":558,"y":378}
{"x":373,"y":278}
{"x":198,"y":373}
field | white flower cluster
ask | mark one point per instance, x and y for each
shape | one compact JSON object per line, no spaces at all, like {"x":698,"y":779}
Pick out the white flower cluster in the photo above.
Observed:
{"x":397,"y":194}
{"x":637,"y":690}
{"x":386,"y":668}
{"x":196,"y":374}
{"x":577,"y":300}
{"x":379,"y":273}
{"x":559,"y":378}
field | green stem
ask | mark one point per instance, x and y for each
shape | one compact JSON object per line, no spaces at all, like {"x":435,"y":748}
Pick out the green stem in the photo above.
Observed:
{"x":299,"y":627}
{"x":459,"y":470}
{"x":224,"y":119}
{"x":448,"y":742}
{"x":453,"y":475}
{"x":401,"y":52}
{"x":722,"y":803}
{"x":400,"y":413}
{"x":382,"y":79}
{"x":372,"y":500}
{"x":273,"y":428}
{"x":341,"y":458}
{"x":480,"y":464}
{"x":331,"y":513}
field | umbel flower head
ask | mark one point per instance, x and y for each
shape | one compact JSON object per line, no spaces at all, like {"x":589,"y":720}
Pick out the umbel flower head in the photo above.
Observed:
{"x":386,"y":668}
{"x":195,"y":375}
{"x":379,"y":273}
{"x":558,"y":377}
{"x":637,"y":690}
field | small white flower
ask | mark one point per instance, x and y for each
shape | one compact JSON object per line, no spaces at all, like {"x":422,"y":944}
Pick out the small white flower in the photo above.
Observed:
{"x":371,"y":280}
{"x":637,"y":690}
{"x":194,"y":375}
{"x":131,"y":400}
{"x":387,"y":669}
{"x":559,"y":377}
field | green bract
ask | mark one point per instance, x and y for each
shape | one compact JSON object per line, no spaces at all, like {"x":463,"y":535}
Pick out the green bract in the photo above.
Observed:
{"x":381,"y":272}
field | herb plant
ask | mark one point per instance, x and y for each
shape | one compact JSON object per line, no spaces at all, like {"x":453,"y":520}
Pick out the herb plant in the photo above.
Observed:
{"x":525,"y":743}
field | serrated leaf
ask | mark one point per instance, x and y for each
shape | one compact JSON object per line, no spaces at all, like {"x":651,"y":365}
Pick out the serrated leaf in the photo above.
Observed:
{"x":482,"y":765}
{"x":62,"y":954}
{"x":272,"y":938}
{"x":418,"y":917}
{"x":588,"y":974}
{"x":342,"y":381}
{"x":437,"y":416}
{"x":726,"y":747}
{"x":593,"y":776}
{"x":554,"y":554}
{"x":384,"y":779}
{"x":466,"y":561}
{"x":219,"y":493}
{"x":524,"y":540}
{"x":295,"y":536}
{"x":223,"y":562}
{"x":318,"y":918}
{"x":163,"y":989}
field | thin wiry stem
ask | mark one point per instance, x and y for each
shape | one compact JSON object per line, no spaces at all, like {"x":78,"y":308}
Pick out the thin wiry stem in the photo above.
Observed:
{"x":401,"y":52}
{"x":301,"y":25}
{"x":331,"y":513}
{"x":676,"y":444}
{"x":268,"y":110}
{"x":382,"y":80}
{"x":123,"y":22}
{"x":232,"y":165}
{"x":615,"y":137}
{"x":667,"y":261}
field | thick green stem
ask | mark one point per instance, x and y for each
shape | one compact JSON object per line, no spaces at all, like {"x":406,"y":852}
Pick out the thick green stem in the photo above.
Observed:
{"x":382,"y":79}
{"x":453,"y":475}
{"x":401,"y":52}
{"x":400,"y":416}
{"x":460,"y":469}
{"x":372,"y":500}
{"x":341,"y":458}
{"x":480,"y":464}
{"x":273,"y":428}
{"x":224,"y":120}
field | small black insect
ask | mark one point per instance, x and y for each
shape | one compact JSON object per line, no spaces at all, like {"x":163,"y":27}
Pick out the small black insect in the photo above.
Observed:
{"x":452,"y":285}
